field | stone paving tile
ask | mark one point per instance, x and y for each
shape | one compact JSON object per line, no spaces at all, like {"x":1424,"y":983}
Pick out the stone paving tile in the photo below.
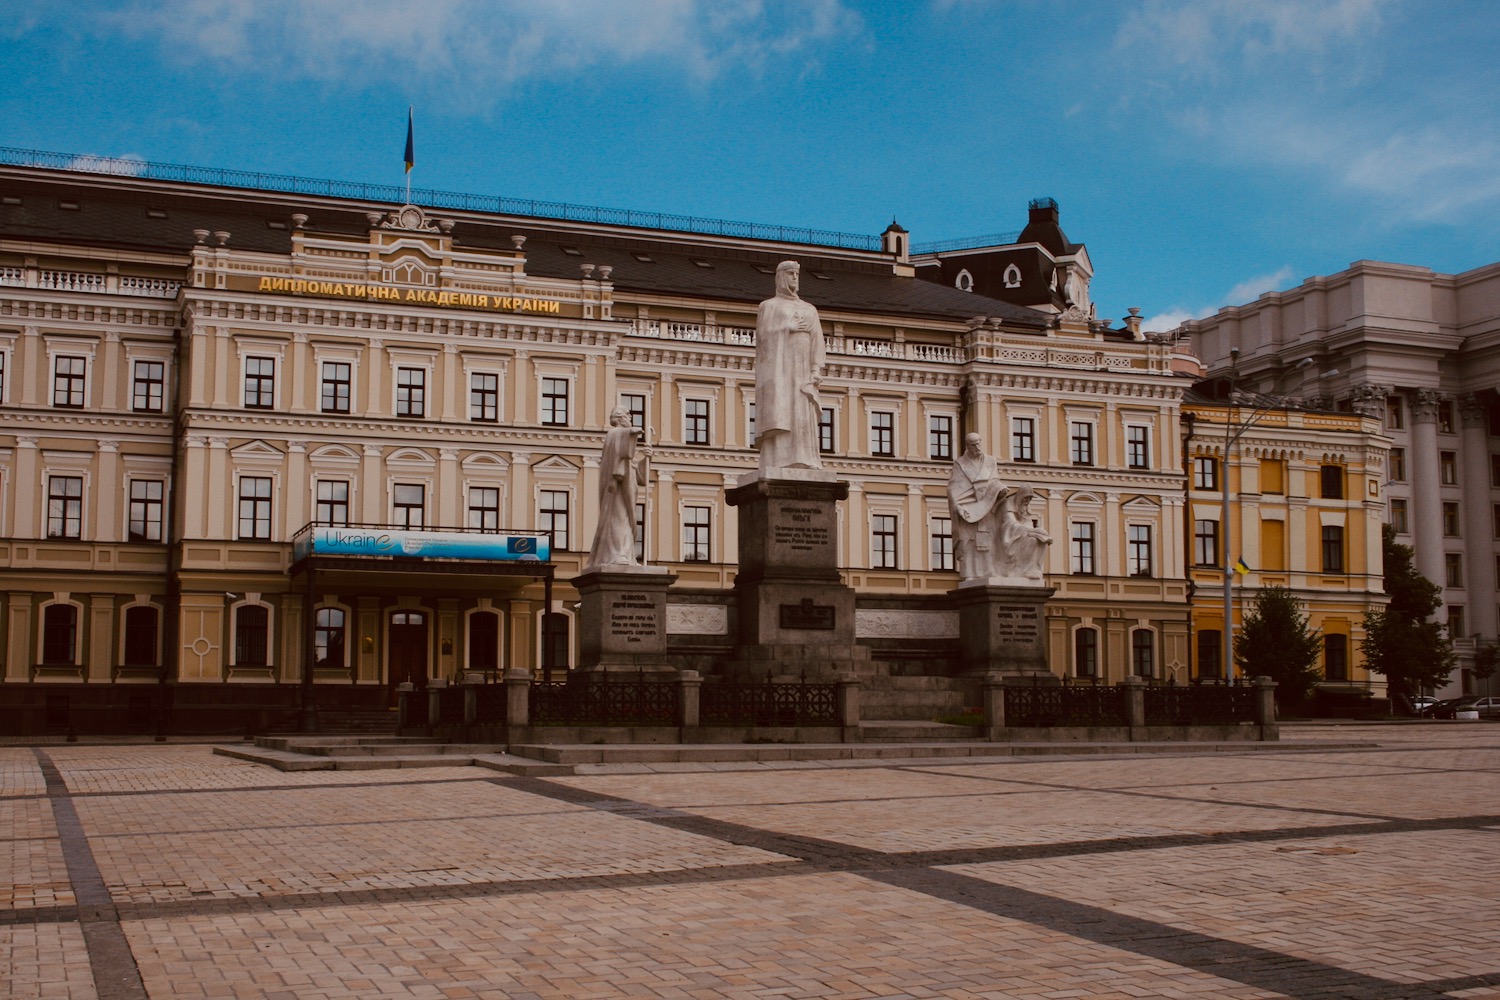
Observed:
{"x":19,"y":774}
{"x":44,"y":961}
{"x":32,"y":870}
{"x":1407,"y":907}
{"x":825,"y":935}
{"x":255,"y":843}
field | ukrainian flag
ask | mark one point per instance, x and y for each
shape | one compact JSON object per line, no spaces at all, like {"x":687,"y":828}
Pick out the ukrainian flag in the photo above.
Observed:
{"x":411,"y":155}
{"x":1240,"y":566}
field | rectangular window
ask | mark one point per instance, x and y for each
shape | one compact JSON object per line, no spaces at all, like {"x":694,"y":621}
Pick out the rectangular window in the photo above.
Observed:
{"x":60,"y":634}
{"x":1210,"y":653}
{"x":1448,"y":467}
{"x":1333,"y":548}
{"x":1205,"y":543}
{"x":1273,"y":476}
{"x":484,"y":397}
{"x":1395,"y":413}
{"x":1086,"y":652}
{"x":64,"y":506}
{"x":883,"y":433}
{"x":1081,"y":442}
{"x":410,"y":502}
{"x":640,"y":533}
{"x":140,"y":636}
{"x":750,"y":424}
{"x":148,"y":386}
{"x":1398,"y":517}
{"x":1456,"y":628}
{"x":333,"y":503}
{"x":1494,"y":517}
{"x":695,"y":528}
{"x":1023,"y":439}
{"x":695,"y":421}
{"x":146,"y":496}
{"x":1450,"y":518}
{"x":328,"y":638}
{"x":635,"y":405}
{"x":552,"y":517}
{"x":484,"y":508}
{"x":1083,"y":548}
{"x":260,"y":383}
{"x":1336,"y":657}
{"x":942,"y":543}
{"x":68,"y":378}
{"x":1495,"y":470}
{"x":1453,"y":569}
{"x":1445,"y":417}
{"x":883,"y":541}
{"x":825,"y":430}
{"x":1398,"y":465}
{"x":2,"y":376}
{"x":1205,"y":472}
{"x":1332,"y":481}
{"x":1143,"y":653}
{"x":255,"y":507}
{"x":1137,"y":446}
{"x":334,"y":393}
{"x":940,"y":437}
{"x":251,"y":628}
{"x":411,"y":392}
{"x":1138,"y":550}
{"x":555,"y":402}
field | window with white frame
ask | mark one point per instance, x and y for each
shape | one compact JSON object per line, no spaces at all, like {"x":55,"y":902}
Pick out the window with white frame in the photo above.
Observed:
{"x":251,"y":635}
{"x":940,"y":436}
{"x":942,"y":543}
{"x":4,"y":357}
{"x":260,"y":383}
{"x":64,"y":506}
{"x":1082,"y":548}
{"x":255,"y":507}
{"x":634,"y":404}
{"x":411,"y":392}
{"x":335,"y":391}
{"x":552,"y":517}
{"x":60,"y":634}
{"x":142,"y":627}
{"x":750,"y":423}
{"x":1143,"y":652}
{"x":333,"y":502}
{"x":555,"y":402}
{"x":146,"y":508}
{"x":329,"y":637}
{"x":409,"y":501}
{"x":695,"y":421}
{"x":1205,"y":542}
{"x":1023,"y":439}
{"x":484,"y":397}
{"x":640,"y":533}
{"x":882,"y":541}
{"x":148,"y":386}
{"x":69,"y":381}
{"x":1081,"y":442}
{"x":882,"y":433}
{"x":826,"y":439}
{"x":484,"y":508}
{"x":1205,"y":472}
{"x":1137,"y":446}
{"x":695,"y":534}
{"x":1086,"y":652}
{"x":1138,"y":549}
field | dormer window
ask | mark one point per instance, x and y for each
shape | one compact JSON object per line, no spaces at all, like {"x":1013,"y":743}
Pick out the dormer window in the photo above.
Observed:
{"x":1012,"y":277}
{"x":964,"y":282}
{"x":572,"y":251}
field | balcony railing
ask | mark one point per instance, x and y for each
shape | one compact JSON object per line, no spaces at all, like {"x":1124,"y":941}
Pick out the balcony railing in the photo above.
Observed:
{"x":91,"y":282}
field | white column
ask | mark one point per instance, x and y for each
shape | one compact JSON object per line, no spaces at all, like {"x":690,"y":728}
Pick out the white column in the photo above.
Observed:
{"x":1475,"y":460}
{"x":1427,"y":499}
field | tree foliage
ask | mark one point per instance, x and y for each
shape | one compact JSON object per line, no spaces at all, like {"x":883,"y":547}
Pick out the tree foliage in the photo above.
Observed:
{"x":1276,"y":642}
{"x":1413,"y":653}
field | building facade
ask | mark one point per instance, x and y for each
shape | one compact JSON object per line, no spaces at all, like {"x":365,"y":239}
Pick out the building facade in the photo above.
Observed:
{"x":1419,"y":352}
{"x":192,"y":377}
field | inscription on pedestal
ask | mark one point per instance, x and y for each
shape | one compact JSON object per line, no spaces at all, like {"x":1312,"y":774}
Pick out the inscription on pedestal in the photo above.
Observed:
{"x":808,"y":615}
{"x":633,"y":618}
{"x":1017,"y":625}
{"x":800,"y":528}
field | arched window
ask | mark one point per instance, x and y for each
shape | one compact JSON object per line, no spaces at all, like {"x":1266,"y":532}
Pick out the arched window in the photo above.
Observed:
{"x":1086,"y":652}
{"x":1012,"y":276}
{"x":964,"y":282}
{"x":484,"y":641}
{"x":140,"y":636}
{"x":328,"y":638}
{"x":1143,"y":652}
{"x":60,"y":634}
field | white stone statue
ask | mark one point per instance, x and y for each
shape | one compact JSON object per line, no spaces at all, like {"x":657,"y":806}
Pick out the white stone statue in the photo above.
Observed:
{"x":620,"y":473}
{"x":994,"y":539}
{"x":789,"y":358}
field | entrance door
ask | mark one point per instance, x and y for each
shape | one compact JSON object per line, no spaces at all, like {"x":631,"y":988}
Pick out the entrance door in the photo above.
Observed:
{"x":408,"y":650}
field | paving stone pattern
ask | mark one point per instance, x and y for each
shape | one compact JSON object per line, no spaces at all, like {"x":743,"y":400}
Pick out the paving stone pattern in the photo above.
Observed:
{"x":1351,"y":861}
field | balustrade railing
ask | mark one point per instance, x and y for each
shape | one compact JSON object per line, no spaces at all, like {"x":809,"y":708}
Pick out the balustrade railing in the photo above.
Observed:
{"x":92,"y":283}
{"x":731,"y":703}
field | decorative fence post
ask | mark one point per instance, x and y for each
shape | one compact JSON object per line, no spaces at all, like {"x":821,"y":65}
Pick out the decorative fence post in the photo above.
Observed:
{"x":993,"y":687}
{"x":517,"y":698}
{"x":471,"y":702}
{"x":848,"y":706}
{"x":404,"y":696}
{"x":435,"y":701}
{"x":1135,"y":702}
{"x":1265,"y":701}
{"x":691,"y":687}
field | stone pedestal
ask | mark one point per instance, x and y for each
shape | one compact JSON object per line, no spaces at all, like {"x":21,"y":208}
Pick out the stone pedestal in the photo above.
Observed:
{"x":622,"y":620}
{"x":1003,"y":629}
{"x":796,"y":616}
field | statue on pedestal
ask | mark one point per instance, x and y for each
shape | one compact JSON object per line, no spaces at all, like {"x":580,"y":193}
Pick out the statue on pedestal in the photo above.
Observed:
{"x":1023,"y":546}
{"x":993,"y":536}
{"x":620,"y":473}
{"x":789,"y":358}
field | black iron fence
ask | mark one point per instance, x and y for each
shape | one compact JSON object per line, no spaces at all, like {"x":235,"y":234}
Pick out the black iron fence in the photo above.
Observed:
{"x":578,"y":702}
{"x":729,"y":703}
{"x":1064,"y":705}
{"x":1199,"y":705}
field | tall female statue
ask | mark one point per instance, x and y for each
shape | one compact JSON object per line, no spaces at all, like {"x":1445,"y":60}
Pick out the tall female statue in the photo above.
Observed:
{"x":789,"y":357}
{"x":620,"y":473}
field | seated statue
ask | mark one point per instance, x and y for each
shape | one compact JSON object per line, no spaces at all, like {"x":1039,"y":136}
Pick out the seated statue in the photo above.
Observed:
{"x":1023,"y":547}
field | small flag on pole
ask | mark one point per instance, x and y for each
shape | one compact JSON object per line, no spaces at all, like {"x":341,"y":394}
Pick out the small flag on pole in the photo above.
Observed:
{"x":411,"y":155}
{"x":1240,"y":566}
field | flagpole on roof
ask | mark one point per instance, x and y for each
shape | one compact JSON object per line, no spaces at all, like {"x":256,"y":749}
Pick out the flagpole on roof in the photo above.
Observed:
{"x":411,"y":155}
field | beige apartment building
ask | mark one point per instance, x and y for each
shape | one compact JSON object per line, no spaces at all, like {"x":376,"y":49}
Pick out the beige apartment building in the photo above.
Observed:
{"x":207,"y":390}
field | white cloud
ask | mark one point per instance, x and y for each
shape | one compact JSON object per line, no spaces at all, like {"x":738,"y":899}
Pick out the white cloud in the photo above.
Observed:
{"x":471,"y":47}
{"x":1246,"y":291}
{"x":1171,"y":319}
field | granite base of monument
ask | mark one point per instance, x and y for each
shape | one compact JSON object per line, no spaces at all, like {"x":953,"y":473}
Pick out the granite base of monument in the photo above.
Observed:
{"x":1003,"y":629}
{"x":796,"y":616}
{"x":622,"y":621}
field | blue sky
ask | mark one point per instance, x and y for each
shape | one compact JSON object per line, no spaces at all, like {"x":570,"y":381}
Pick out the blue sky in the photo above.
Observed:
{"x":1204,"y":150}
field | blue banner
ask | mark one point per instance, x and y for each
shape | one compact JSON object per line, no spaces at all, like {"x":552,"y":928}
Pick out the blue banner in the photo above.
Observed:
{"x":328,"y":541}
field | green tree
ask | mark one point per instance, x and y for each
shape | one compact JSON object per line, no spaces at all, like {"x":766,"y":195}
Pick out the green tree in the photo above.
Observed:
{"x":1275,"y":642}
{"x":1485,"y":663}
{"x":1400,"y":641}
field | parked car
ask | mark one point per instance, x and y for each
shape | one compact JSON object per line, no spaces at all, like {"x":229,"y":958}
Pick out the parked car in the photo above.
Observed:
{"x":1421,"y":703}
{"x":1488,"y":707}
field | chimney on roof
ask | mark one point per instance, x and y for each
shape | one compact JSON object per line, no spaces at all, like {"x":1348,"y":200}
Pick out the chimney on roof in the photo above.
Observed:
{"x":1042,"y":210}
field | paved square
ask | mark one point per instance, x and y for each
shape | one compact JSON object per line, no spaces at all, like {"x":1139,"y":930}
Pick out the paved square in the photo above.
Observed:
{"x":1349,"y":861}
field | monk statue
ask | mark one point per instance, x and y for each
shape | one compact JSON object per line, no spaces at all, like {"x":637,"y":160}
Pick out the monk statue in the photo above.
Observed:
{"x":620,"y":473}
{"x":1023,"y":546}
{"x":789,"y":358}
{"x":974,"y":495}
